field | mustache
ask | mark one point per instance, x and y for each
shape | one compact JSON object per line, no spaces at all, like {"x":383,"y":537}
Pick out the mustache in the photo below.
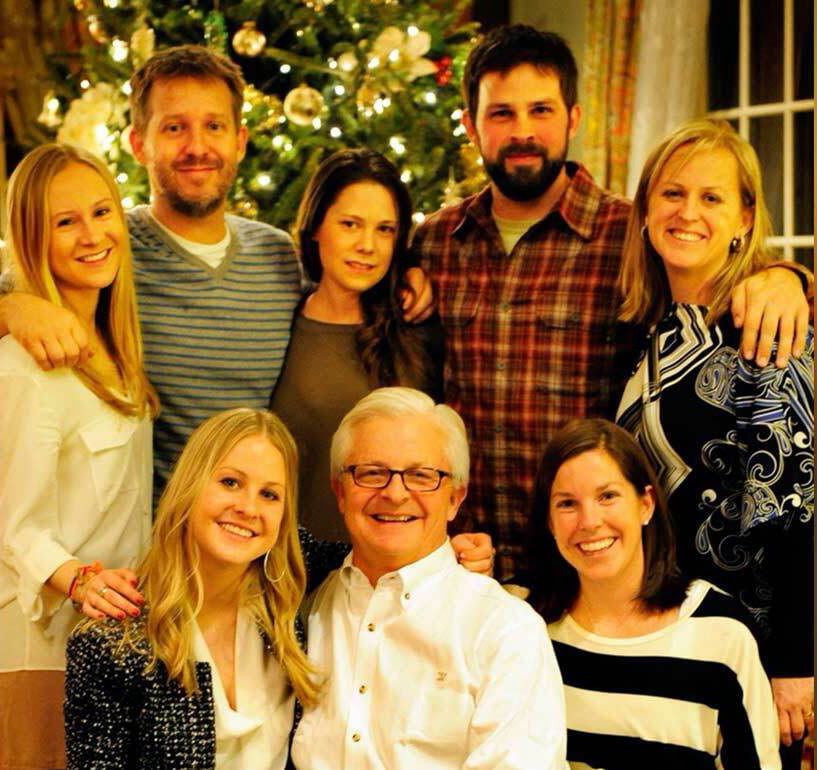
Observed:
{"x":523,"y":148}
{"x":196,"y":161}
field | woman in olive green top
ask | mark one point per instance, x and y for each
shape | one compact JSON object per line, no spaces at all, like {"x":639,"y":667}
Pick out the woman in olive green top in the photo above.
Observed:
{"x":349,"y":336}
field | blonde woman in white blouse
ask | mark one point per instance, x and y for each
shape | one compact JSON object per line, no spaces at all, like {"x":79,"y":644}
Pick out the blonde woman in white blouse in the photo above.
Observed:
{"x":75,"y":445}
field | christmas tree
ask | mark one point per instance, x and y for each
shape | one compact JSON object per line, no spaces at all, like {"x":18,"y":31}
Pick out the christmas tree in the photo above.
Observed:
{"x":321,"y":74}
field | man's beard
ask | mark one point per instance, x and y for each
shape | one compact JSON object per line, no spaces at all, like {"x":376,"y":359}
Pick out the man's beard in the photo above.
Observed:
{"x":525,"y":183}
{"x":197,"y":208}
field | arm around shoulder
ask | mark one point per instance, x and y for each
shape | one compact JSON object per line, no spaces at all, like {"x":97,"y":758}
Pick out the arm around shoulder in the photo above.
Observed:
{"x":52,"y":335}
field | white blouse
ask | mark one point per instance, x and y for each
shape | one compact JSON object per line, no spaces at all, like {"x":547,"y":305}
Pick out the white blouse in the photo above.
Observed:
{"x":256,"y":733}
{"x":75,"y":482}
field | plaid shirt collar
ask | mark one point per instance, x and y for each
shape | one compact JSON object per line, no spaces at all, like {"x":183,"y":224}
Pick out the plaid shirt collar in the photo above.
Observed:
{"x":578,"y":207}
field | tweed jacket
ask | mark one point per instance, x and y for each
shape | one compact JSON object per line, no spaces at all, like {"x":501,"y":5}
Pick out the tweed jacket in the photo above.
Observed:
{"x":117,"y":715}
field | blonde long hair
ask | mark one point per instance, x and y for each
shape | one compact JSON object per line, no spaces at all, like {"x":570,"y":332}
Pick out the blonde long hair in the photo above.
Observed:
{"x":28,"y":235}
{"x":170,"y":579}
{"x":643,"y":279}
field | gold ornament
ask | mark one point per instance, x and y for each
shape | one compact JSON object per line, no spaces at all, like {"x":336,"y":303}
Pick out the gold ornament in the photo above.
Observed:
{"x":302,"y":105}
{"x":317,"y":5}
{"x":97,"y":29}
{"x":249,"y":40}
{"x":80,"y":5}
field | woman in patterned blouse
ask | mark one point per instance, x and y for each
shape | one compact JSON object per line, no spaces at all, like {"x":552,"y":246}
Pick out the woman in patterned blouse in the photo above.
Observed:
{"x":732,"y":441}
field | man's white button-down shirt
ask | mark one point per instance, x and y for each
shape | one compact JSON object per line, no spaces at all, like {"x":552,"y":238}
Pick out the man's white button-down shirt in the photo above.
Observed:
{"x":434,"y":667}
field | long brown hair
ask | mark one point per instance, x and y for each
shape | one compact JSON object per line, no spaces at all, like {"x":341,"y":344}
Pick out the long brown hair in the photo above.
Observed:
{"x":555,"y":583}
{"x":390,"y":353}
{"x":28,"y":236}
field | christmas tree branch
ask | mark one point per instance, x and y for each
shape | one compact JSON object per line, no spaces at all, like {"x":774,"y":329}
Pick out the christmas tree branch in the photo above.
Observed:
{"x":304,"y":62}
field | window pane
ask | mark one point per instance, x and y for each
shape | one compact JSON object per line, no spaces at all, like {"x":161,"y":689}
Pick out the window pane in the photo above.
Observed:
{"x":805,"y":257}
{"x":804,"y":173}
{"x":723,"y":54}
{"x":804,"y":49}
{"x":766,"y":52}
{"x":766,"y":136}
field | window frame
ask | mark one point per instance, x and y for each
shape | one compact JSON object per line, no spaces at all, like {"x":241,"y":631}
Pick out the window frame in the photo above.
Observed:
{"x":786,"y":241}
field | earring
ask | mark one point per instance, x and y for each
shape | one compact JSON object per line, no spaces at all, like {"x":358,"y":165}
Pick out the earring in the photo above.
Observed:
{"x":736,"y":244}
{"x":266,"y":569}
{"x":644,"y":234}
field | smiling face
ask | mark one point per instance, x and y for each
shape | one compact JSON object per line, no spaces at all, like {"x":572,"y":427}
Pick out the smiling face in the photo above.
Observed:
{"x":86,"y":232}
{"x":190,"y":145}
{"x":693,"y":212}
{"x":596,"y":517}
{"x":237,"y":516}
{"x":356,"y":238}
{"x":393,"y":527}
{"x":522,"y":128}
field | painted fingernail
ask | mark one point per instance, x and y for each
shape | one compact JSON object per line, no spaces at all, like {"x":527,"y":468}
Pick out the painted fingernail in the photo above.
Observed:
{"x":135,"y":613}
{"x":121,"y":615}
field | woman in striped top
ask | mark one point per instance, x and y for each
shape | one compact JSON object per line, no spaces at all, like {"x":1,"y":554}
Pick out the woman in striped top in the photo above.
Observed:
{"x":658,"y":672}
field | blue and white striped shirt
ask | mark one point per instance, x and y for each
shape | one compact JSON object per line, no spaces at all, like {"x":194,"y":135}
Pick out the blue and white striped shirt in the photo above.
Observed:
{"x":213,"y":338}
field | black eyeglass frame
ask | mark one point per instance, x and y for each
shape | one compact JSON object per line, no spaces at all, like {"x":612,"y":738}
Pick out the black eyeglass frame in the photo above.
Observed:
{"x":351,"y":469}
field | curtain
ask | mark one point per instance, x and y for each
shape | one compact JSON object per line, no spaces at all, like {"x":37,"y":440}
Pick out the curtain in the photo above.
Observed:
{"x":609,"y":76}
{"x":672,"y":75}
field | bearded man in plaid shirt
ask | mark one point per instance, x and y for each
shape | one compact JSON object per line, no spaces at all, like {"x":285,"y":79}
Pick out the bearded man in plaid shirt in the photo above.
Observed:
{"x":525,"y":274}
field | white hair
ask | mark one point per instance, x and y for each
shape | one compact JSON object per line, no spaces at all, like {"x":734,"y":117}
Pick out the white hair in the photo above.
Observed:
{"x":405,"y":402}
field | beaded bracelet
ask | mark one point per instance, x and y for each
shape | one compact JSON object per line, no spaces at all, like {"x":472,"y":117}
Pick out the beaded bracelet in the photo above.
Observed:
{"x":82,"y":575}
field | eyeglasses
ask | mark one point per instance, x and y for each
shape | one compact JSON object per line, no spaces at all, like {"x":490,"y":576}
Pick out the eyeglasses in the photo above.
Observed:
{"x":379,"y":477}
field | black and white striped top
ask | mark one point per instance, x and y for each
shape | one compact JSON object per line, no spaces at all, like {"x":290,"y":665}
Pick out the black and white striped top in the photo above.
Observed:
{"x":690,"y":696}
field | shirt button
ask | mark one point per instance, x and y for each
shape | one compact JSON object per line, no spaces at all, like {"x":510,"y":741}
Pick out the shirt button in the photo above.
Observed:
{"x":500,"y":488}
{"x":362,"y":689}
{"x":370,"y":626}
{"x":407,"y":596}
{"x":505,"y":307}
{"x":499,"y":428}
{"x":501,"y":366}
{"x":355,"y":737}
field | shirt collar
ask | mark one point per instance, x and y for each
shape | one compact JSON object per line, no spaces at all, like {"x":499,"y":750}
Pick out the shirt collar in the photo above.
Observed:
{"x":409,"y":577}
{"x":578,"y":206}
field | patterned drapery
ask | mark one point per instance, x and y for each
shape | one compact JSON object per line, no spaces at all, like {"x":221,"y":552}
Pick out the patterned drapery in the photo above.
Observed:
{"x":609,"y":86}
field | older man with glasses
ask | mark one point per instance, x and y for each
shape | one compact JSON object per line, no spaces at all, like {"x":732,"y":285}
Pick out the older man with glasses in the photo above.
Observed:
{"x":427,"y":665}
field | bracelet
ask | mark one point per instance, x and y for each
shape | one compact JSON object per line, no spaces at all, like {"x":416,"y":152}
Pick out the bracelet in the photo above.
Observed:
{"x":82,"y":575}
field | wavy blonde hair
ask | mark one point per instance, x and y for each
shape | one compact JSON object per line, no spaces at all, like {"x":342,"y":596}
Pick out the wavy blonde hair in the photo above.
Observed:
{"x":170,"y":579}
{"x":28,"y":237}
{"x":643,"y":279}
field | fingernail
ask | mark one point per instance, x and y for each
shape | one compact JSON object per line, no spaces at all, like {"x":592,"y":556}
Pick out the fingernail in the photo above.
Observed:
{"x":121,"y":615}
{"x":135,"y":613}
{"x":140,"y":602}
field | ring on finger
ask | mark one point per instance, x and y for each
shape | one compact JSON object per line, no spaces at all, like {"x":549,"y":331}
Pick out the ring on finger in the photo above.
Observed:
{"x":808,"y":714}
{"x":102,"y":591}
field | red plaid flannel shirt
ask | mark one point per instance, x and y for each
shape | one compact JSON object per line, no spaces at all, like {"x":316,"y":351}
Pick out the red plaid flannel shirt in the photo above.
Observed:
{"x":532,"y":341}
